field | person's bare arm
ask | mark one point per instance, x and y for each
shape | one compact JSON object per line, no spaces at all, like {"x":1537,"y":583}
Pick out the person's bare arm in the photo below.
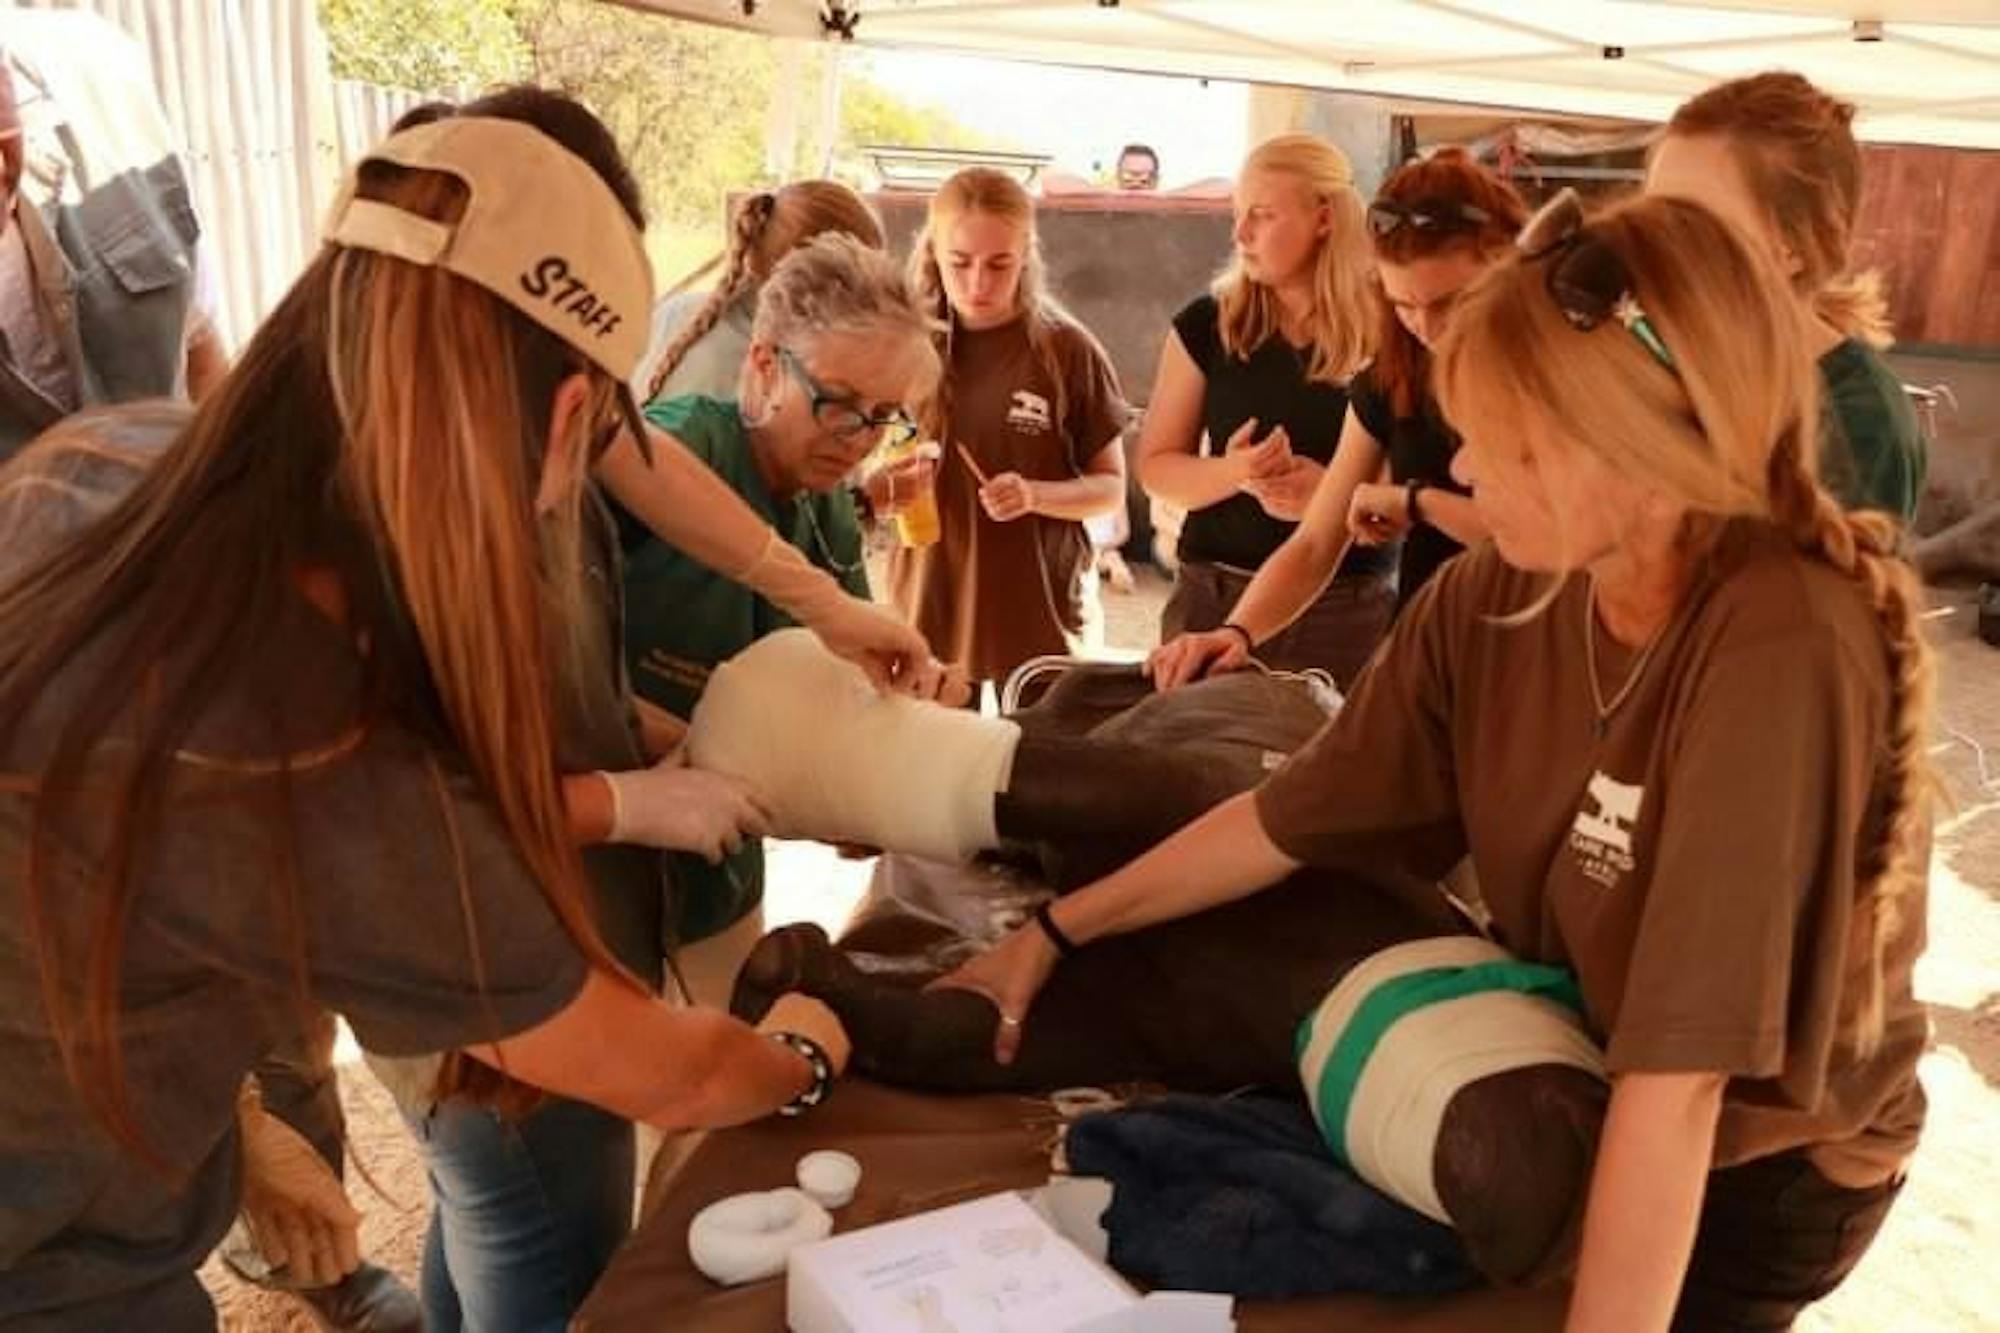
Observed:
{"x":1237,"y":858}
{"x":207,"y":363}
{"x":1100,"y":490}
{"x":685,"y":503}
{"x":1299,"y":570}
{"x":1645,"y":1201}
{"x":1170,"y":466}
{"x":1455,"y":515}
{"x":1286,"y":584}
{"x":672,"y":1068}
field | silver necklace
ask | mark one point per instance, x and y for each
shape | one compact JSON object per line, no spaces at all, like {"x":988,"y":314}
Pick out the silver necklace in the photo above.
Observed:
{"x":1606,"y":709}
{"x":841,"y":568}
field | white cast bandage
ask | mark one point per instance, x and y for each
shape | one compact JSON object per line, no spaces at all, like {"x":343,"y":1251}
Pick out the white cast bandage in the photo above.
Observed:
{"x":833,"y":759}
{"x":1393,"y":1043}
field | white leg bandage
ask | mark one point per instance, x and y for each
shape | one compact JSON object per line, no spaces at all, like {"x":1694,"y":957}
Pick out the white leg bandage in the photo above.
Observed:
{"x":1392,"y":1044}
{"x":834,"y":760}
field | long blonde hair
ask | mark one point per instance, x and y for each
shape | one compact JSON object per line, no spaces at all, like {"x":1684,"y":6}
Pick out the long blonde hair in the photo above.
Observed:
{"x":1730,"y":431}
{"x":1343,"y":314}
{"x":1795,"y":147}
{"x":995,"y":194}
{"x":387,"y":424}
{"x":763,"y":228}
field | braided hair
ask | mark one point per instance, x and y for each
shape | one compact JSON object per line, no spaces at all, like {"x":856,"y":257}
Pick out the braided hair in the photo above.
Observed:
{"x":763,"y":228}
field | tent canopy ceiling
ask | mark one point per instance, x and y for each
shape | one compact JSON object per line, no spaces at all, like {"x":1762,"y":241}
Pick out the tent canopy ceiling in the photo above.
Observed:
{"x":1922,"y":71}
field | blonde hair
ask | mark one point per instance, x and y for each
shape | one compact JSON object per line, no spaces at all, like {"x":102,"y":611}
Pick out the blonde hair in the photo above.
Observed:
{"x":1730,"y":431}
{"x":995,"y":194}
{"x":1795,"y":146}
{"x":1343,"y":311}
{"x":833,"y":284}
{"x":763,"y":228}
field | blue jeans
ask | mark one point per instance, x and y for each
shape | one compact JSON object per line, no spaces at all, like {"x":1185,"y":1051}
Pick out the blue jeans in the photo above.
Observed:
{"x":525,"y":1213}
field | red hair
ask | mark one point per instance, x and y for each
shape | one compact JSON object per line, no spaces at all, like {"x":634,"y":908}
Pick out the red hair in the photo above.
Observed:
{"x":1448,"y":176}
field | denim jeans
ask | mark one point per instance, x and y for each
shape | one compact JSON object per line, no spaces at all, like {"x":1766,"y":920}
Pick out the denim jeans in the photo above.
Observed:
{"x":526,"y":1213}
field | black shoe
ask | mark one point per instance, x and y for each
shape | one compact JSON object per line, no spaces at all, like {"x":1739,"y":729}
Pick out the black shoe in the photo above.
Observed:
{"x":1989,"y":613}
{"x":371,"y":1299}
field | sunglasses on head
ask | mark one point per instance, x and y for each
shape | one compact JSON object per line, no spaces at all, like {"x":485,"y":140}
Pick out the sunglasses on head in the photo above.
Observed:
{"x":1587,"y":278}
{"x":1386,"y":217}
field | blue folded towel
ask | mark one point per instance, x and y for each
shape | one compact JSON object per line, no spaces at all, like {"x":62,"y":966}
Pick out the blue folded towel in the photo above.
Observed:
{"x":1240,"y":1195}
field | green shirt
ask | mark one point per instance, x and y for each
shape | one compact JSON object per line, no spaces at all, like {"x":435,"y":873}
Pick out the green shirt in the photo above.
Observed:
{"x":1871,"y":448}
{"x":683,"y":619}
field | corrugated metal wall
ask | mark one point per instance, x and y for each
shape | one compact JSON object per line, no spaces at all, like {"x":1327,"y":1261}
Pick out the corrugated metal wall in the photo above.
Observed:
{"x":250,"y":94}
{"x":363,"y":113}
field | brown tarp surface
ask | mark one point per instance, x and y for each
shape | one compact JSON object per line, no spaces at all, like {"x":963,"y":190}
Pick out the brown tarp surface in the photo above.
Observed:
{"x":919,"y":1152}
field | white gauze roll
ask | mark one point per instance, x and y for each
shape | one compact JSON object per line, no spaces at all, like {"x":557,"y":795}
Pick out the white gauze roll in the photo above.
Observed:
{"x":749,"y":1237}
{"x":834,"y":760}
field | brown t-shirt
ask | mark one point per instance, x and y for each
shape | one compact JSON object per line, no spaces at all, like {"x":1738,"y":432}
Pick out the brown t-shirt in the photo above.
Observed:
{"x":989,"y":595}
{"x":1697,"y":865}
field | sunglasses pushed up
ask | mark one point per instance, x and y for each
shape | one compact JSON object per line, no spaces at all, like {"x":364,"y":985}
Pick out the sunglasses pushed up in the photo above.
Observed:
{"x":1386,"y":217}
{"x":1587,"y":278}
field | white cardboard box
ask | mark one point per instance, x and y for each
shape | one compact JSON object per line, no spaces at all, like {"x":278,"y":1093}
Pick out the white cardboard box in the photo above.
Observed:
{"x":990,"y":1266}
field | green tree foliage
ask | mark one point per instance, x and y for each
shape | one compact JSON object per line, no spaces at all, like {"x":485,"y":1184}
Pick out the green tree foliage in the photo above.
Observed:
{"x":688,"y":103}
{"x":871,"y":113}
{"x":425,"y":45}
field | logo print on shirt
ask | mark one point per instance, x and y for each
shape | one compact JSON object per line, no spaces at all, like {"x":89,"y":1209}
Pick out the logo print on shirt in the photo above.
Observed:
{"x":1028,"y":413}
{"x":1601,"y":837}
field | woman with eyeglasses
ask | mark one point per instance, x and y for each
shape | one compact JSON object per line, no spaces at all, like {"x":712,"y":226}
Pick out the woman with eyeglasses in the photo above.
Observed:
{"x":1259,"y":368}
{"x":1029,"y":416}
{"x":1437,"y":224}
{"x":837,"y":348}
{"x":1731,"y":876}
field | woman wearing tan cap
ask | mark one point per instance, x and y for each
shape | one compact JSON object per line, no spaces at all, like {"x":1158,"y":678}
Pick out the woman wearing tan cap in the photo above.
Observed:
{"x":304,"y":699}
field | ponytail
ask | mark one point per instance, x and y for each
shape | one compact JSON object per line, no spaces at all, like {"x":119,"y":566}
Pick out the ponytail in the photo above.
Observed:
{"x":746,"y":229}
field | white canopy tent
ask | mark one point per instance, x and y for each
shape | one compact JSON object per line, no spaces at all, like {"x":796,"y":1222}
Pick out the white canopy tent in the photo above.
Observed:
{"x":1922,"y":71}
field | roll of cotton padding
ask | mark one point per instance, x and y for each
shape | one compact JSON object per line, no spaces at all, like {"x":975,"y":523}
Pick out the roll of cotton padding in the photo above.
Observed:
{"x":1407,"y":1028}
{"x":829,"y":1177}
{"x":747,"y":1237}
{"x":834,"y":759}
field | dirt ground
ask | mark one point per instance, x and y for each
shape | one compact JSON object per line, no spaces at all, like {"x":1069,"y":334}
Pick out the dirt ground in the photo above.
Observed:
{"x":1933,"y":1268}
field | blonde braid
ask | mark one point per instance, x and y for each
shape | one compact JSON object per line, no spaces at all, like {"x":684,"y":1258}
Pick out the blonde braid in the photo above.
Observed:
{"x":752,"y":216}
{"x":1863,"y":546}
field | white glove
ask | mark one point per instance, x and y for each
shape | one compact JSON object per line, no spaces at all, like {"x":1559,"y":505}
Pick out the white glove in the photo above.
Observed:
{"x":893,"y":654}
{"x":298,"y":1214}
{"x":680,"y":809}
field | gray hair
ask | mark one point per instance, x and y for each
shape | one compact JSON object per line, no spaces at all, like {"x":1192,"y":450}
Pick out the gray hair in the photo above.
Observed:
{"x":833,"y":284}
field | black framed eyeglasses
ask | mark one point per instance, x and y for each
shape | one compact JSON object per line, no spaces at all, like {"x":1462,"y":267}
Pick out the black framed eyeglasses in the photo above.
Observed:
{"x":1386,"y":217}
{"x":840,"y":416}
{"x":1587,"y":277}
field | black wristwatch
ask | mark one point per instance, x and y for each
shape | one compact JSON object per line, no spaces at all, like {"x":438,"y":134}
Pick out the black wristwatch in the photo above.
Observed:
{"x":1410,"y":490}
{"x":822,"y":1071}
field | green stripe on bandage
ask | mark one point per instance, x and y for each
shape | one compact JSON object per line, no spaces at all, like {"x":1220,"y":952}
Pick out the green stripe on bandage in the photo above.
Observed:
{"x":1396,"y":999}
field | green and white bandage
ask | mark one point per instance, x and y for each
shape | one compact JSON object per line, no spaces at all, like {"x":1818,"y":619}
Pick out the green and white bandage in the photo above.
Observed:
{"x":1393,"y":1043}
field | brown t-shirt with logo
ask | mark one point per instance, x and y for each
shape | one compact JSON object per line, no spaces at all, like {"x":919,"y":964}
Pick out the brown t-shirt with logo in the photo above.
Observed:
{"x":1697,"y":864}
{"x":989,"y":595}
